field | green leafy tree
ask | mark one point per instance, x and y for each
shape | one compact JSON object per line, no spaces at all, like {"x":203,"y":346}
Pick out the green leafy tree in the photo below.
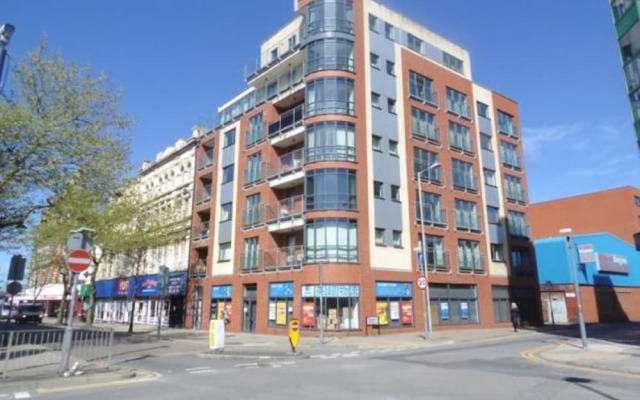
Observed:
{"x":60,"y":125}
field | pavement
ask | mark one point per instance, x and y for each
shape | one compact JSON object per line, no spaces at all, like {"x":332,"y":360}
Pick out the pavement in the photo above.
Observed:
{"x":619,"y":355}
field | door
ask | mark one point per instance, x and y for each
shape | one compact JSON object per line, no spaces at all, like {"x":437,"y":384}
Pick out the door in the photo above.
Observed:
{"x":249,"y":308}
{"x":559,"y":308}
{"x":197,"y":308}
{"x":176,"y":306}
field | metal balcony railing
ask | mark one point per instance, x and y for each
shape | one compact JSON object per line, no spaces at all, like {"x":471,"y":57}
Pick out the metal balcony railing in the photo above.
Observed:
{"x":471,"y":263}
{"x":465,"y":182}
{"x":458,"y":141}
{"x":198,"y":269}
{"x":287,"y":164}
{"x":205,"y":161}
{"x":468,"y":221}
{"x":201,"y":231}
{"x":516,"y":196}
{"x":273,"y":56}
{"x":430,"y":134}
{"x":254,"y":174}
{"x":254,"y":136}
{"x":458,"y":108}
{"x":284,"y":258}
{"x":285,"y":210}
{"x":203,"y":196}
{"x":433,"y":215}
{"x":288,"y":120}
{"x":423,"y":95}
{"x":519,"y":230}
{"x":253,"y":216}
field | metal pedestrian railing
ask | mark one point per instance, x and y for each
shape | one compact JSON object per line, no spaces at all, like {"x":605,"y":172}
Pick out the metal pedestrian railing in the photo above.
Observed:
{"x":31,"y":353}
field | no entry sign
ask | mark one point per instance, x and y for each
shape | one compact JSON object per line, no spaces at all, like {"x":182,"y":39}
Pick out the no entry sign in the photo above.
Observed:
{"x":78,"y":260}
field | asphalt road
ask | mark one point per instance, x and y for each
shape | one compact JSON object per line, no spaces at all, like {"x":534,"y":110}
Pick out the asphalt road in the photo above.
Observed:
{"x":491,"y":370}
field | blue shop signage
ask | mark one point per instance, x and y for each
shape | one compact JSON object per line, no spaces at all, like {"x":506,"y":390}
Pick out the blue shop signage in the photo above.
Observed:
{"x":283,"y":290}
{"x":176,"y":283}
{"x":222,"y":292}
{"x":394,"y":289}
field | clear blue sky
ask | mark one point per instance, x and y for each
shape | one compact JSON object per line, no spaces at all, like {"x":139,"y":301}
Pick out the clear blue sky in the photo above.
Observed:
{"x":177,"y":61}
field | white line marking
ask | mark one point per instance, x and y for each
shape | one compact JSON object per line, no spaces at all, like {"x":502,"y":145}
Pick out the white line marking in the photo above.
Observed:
{"x":204,"y":371}
{"x":196,"y":368}
{"x":246,"y":365}
{"x":287,"y":363}
{"x":21,"y":395}
{"x":276,"y":366}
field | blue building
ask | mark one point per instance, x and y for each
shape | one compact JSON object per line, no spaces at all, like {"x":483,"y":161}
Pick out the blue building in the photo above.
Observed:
{"x":608,"y":273}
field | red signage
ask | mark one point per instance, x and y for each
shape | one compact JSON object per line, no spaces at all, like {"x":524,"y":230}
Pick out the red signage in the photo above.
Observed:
{"x":612,"y":263}
{"x":407,"y":313}
{"x":309,"y":314}
{"x":78,"y":260}
{"x":295,"y":325}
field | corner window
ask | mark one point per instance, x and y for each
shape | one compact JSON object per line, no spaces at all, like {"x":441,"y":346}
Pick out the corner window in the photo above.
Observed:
{"x":376,"y":143}
{"x":375,"y":100}
{"x":389,"y":31}
{"x":373,"y":23}
{"x":391,"y":68}
{"x":391,"y":106}
{"x":493,"y":215}
{"x":226,"y":212}
{"x":393,"y":147}
{"x":227,"y":174}
{"x":331,"y":239}
{"x":377,"y":190}
{"x":485,"y":142}
{"x":375,"y":60}
{"x":637,"y":201}
{"x":490,"y":177}
{"x":497,"y":252}
{"x":397,"y":238}
{"x":483,"y":109}
{"x":225,"y":252}
{"x":379,"y":237}
{"x":395,"y":193}
{"x":230,"y":138}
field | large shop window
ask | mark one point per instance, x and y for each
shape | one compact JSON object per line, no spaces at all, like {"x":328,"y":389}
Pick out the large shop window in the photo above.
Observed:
{"x":454,"y":304}
{"x":329,"y":54}
{"x":221,"y":302}
{"x":330,"y":141}
{"x":330,"y":96}
{"x":331,"y":240}
{"x":394,"y":303}
{"x":331,"y":189}
{"x":280,"y":303}
{"x":329,"y":16}
{"x":335,"y":307}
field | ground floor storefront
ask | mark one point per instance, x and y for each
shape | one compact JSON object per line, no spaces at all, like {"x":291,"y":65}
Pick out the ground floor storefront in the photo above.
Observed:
{"x":115,"y":300}
{"x":389,"y":302}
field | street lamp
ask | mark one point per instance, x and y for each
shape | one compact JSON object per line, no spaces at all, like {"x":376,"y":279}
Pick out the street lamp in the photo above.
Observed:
{"x":574,"y":271}
{"x":164,"y":272}
{"x":426,"y":301}
{"x":6,"y":31}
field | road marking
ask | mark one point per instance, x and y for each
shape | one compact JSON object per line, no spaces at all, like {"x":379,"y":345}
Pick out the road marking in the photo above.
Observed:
{"x":204,"y":371}
{"x":247,"y":365}
{"x":196,"y":368}
{"x":287,"y":363}
{"x":145,"y":376}
{"x":21,"y":395}
{"x":532,"y":355}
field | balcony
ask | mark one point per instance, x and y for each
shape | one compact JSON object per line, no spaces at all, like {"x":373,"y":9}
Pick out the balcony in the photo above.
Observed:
{"x":252,"y":217}
{"x":423,"y":95}
{"x":274,"y":260}
{"x":519,"y":230}
{"x":516,"y":196}
{"x":432,"y":176}
{"x":285,"y":215}
{"x":626,"y":17}
{"x":255,"y":136}
{"x":465,"y":183}
{"x":429,"y":135}
{"x":471,"y":263}
{"x":509,"y":130}
{"x":462,"y":143}
{"x":433,"y":215}
{"x":198,"y":270}
{"x":203,"y":196}
{"x":461,"y":109}
{"x":201,"y":231}
{"x":269,"y":63}
{"x":287,"y":171}
{"x":438,"y":260}
{"x":289,"y":129}
{"x":468,"y":221}
{"x":205,"y":161}
{"x":254,"y":174}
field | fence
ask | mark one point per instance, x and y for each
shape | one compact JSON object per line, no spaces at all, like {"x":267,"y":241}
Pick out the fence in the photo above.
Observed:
{"x":39,"y":352}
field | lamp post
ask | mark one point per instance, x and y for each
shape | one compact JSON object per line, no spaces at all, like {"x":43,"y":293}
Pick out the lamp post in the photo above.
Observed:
{"x":574,"y":272}
{"x":164,"y":271}
{"x":6,"y":31}
{"x":426,"y":301}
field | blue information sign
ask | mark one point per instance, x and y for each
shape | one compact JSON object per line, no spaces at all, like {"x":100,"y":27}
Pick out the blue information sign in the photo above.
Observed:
{"x":222,"y":292}
{"x":283,"y":290}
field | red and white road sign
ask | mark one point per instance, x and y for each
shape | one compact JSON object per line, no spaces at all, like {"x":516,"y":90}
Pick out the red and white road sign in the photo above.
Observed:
{"x":78,"y":260}
{"x":422,"y":282}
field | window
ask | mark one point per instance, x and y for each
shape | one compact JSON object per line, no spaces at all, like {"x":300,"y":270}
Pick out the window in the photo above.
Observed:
{"x":329,"y":54}
{"x":457,"y":103}
{"x":454,"y":304}
{"x":389,"y":31}
{"x":377,"y":190}
{"x":375,"y":60}
{"x":256,"y":130}
{"x":637,"y":201}
{"x":490,"y":177}
{"x":424,"y":162}
{"x":459,"y":138}
{"x":397,"y":238}
{"x":292,"y":42}
{"x":414,"y":43}
{"x":280,"y":304}
{"x":224,"y":252}
{"x":395,"y":193}
{"x":250,"y":257}
{"x":230,"y":138}
{"x":421,"y":88}
{"x":423,"y":125}
{"x":506,"y":125}
{"x":252,"y":212}
{"x":227,"y":174}
{"x":391,"y":68}
{"x":437,"y":258}
{"x":324,"y":16}
{"x":393,"y":147}
{"x":432,"y":211}
{"x":330,"y":96}
{"x":274,"y":54}
{"x":469,"y":255}
{"x":226,"y":212}
{"x":391,"y":106}
{"x":517,"y":224}
{"x":331,"y":240}
{"x":375,"y":100}
{"x":394,"y":303}
{"x":483,"y":109}
{"x":509,"y":155}
{"x":513,"y":189}
{"x":497,"y":252}
{"x":466,"y":215}
{"x":485,"y":142}
{"x":463,"y":177}
{"x":376,"y":142}
{"x":373,"y":23}
{"x":272,"y":90}
{"x":501,"y":303}
{"x":330,"y":141}
{"x":379,"y":237}
{"x":253,"y":173}
{"x":493,"y":215}
{"x":331,"y":189}
{"x":341,"y":301}
{"x":452,"y":62}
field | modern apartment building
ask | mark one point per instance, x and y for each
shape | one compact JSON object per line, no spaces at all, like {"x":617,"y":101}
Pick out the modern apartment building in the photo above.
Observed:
{"x":307,"y":194}
{"x":164,"y":181}
{"x":626,"y":15}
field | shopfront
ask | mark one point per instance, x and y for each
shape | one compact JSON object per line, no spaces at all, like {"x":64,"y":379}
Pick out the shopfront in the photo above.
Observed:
{"x":335,"y":307}
{"x":280,"y":304}
{"x":454,"y":304}
{"x":394,"y":304}
{"x":221,"y":302}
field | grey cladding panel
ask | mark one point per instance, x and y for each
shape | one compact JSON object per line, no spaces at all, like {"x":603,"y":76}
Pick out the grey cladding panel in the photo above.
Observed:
{"x":493,"y":199}
{"x":386,"y":169}
{"x":224,"y":233}
{"x":228,"y":155}
{"x":488,"y":159}
{"x":485,"y":125}
{"x":496,"y":234}
{"x":384,"y":124}
{"x":226,"y":193}
{"x":388,"y":215}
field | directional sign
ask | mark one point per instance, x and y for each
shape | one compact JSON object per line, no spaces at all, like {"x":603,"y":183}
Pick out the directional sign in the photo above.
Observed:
{"x":422,"y":282}
{"x":78,"y":260}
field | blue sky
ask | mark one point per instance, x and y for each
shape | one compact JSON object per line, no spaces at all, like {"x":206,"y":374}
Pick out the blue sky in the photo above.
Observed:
{"x":177,"y":61}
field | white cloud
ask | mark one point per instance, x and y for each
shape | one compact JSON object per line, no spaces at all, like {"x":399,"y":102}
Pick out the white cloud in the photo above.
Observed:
{"x":539,"y":138}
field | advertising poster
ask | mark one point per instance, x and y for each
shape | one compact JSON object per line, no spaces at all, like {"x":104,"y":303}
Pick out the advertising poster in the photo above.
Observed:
{"x":220,"y":311}
{"x":381,"y":310}
{"x":309,"y":313}
{"x":281,"y":313}
{"x":394,"y":310}
{"x":227,"y":308}
{"x":444,"y":311}
{"x":407,"y":313}
{"x":272,"y":311}
{"x":464,"y":310}
{"x":216,"y":335}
